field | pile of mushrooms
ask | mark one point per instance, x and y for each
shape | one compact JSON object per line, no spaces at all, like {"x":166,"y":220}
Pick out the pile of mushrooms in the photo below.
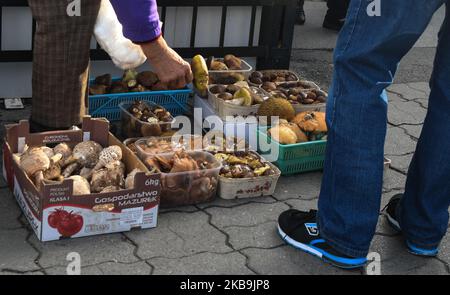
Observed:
{"x":92,"y":168}
{"x":187,"y":178}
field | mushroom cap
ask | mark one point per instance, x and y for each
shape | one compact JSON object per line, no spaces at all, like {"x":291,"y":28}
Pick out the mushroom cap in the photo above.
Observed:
{"x":48,"y":151}
{"x":87,"y":152}
{"x":113,"y":175}
{"x":63,"y":149}
{"x":110,"y":154}
{"x":34,"y":160}
{"x":80,"y":185}
{"x":311,"y":122}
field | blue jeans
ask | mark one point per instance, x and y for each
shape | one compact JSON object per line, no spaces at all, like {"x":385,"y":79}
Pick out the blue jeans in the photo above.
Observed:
{"x":366,"y":58}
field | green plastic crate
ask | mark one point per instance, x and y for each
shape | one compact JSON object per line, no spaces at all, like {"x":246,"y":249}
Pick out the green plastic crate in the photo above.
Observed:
{"x":309,"y":164}
{"x":296,"y":158}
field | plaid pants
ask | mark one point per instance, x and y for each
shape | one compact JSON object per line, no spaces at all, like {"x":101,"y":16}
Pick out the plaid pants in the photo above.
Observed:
{"x":61,"y":61}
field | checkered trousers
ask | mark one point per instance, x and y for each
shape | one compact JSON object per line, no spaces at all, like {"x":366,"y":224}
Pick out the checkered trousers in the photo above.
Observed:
{"x":61,"y":60}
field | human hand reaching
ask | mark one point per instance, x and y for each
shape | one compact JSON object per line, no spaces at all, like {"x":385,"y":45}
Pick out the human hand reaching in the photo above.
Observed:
{"x":173,"y":72}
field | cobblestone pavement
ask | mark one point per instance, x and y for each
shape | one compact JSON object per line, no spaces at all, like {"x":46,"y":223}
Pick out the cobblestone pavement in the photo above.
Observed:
{"x":226,"y":237}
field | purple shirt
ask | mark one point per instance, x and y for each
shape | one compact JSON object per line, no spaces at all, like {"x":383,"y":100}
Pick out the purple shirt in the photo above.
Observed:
{"x":139,"y":18}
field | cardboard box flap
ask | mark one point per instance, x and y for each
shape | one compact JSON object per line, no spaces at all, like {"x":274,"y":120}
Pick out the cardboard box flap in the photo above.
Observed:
{"x":18,"y":135}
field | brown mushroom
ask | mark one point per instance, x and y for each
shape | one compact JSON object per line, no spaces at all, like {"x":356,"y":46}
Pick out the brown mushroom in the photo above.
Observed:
{"x":34,"y":162}
{"x":113,"y":175}
{"x":85,"y":154}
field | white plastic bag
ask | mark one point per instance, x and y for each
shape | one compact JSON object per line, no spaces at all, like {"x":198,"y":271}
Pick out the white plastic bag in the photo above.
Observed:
{"x":108,"y":32}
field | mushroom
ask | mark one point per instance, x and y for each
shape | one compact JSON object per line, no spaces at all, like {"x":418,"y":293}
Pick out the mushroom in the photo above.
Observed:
{"x":110,"y":189}
{"x":85,"y":154}
{"x":129,"y":181}
{"x":202,"y":189}
{"x":182,"y":162}
{"x":48,"y":151}
{"x":112,"y":175}
{"x":108,"y":155}
{"x":34,"y":162}
{"x":64,"y":150}
{"x":80,"y":186}
{"x":54,"y":171}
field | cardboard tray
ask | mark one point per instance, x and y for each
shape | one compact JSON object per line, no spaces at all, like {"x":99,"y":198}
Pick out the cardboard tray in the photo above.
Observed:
{"x":99,"y":213}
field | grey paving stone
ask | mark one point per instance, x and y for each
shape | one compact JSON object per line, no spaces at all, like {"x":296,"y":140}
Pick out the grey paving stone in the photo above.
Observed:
{"x":383,"y":228}
{"x":28,"y":273}
{"x":413,"y":130}
{"x":444,"y":250}
{"x":398,"y":142}
{"x":393,"y":180}
{"x":306,"y":185}
{"x":219,"y":202}
{"x":9,"y":211}
{"x":108,"y":268}
{"x":405,"y":112}
{"x":16,"y":254}
{"x":303,"y":205}
{"x":401,"y":162}
{"x":395,"y":260}
{"x":246,"y":215}
{"x":410,"y":91}
{"x":259,"y":236}
{"x":179,"y":209}
{"x":93,"y":250}
{"x":289,"y":261}
{"x":202,"y":264}
{"x":179,"y":234}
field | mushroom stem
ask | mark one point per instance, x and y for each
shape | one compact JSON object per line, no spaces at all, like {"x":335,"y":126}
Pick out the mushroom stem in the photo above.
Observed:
{"x":70,"y":169}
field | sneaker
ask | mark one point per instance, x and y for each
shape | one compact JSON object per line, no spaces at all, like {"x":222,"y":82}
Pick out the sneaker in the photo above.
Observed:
{"x":333,"y":24}
{"x":390,"y":211}
{"x":299,"y":229}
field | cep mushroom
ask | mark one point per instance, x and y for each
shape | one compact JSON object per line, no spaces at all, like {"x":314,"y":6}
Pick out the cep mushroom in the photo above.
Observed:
{"x":80,"y":186}
{"x":34,"y":162}
{"x":112,"y":175}
{"x":85,"y":154}
{"x":64,"y":150}
{"x":129,"y":181}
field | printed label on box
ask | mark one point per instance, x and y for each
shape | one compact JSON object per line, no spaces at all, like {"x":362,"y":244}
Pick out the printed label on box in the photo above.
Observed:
{"x":132,"y":216}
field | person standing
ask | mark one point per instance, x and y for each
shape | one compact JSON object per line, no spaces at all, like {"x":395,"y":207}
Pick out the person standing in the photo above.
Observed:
{"x":368,"y":51}
{"x":335,"y":17}
{"x":61,"y":56}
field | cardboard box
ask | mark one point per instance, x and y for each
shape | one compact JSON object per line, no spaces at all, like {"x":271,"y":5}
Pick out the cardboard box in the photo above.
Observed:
{"x":91,"y":214}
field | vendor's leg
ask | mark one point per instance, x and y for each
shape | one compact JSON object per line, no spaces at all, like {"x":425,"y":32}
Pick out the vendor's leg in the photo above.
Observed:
{"x":301,"y":18}
{"x":366,"y":57}
{"x":61,"y":62}
{"x":423,"y":211}
{"x":335,"y":17}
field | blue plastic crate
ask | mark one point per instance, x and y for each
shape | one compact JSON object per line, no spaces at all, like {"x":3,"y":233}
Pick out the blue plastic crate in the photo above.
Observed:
{"x":107,"y":105}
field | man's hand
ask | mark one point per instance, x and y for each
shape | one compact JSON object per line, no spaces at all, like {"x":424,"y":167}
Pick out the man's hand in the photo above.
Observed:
{"x":171,"y":69}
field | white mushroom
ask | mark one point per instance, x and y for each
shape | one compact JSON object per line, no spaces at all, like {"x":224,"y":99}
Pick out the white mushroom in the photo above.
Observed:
{"x":129,"y":181}
{"x":80,"y":185}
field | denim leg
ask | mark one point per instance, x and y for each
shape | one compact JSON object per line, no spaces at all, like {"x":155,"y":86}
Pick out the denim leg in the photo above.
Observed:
{"x":366,"y":58}
{"x":424,"y":209}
